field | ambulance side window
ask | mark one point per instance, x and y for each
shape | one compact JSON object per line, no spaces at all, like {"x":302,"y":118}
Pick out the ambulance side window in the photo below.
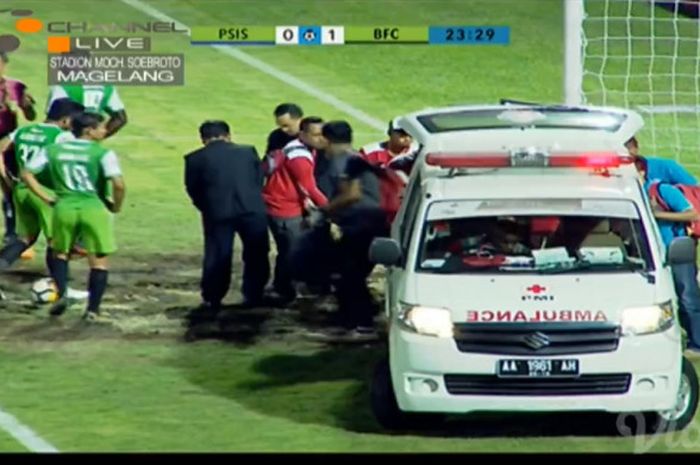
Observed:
{"x":409,"y":219}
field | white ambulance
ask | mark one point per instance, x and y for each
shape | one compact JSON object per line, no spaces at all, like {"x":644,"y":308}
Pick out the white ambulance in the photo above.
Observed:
{"x":525,"y":272}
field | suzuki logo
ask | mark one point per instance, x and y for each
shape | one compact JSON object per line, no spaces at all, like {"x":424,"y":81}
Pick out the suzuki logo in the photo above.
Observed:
{"x":536,"y":341}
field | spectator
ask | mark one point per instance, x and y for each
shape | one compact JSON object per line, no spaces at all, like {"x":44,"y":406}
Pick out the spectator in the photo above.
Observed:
{"x":672,"y":224}
{"x":289,"y":189}
{"x":224,"y":181}
{"x":13,"y":96}
{"x":288,"y":119}
{"x":356,"y":209}
{"x":398,"y":152}
{"x":660,"y":169}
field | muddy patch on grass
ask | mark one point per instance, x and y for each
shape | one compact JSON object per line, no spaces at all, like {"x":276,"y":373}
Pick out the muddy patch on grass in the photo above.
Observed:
{"x":149,"y":296}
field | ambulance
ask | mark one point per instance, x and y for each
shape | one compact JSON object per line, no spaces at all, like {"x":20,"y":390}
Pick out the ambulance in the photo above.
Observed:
{"x":526,"y":272}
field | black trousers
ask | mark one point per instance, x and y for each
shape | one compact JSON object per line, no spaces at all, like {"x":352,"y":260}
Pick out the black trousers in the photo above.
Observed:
{"x":356,"y":307}
{"x":286,"y":232}
{"x":218,"y":256}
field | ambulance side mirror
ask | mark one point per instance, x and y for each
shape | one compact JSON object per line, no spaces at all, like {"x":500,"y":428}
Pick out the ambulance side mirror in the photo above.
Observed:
{"x":385,"y":251}
{"x":681,"y":251}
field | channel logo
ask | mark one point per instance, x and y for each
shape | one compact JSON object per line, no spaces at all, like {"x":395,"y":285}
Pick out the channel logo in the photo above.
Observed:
{"x":25,"y":25}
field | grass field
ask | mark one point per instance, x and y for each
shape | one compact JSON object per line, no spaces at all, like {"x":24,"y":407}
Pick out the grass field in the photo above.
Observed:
{"x":251,"y":384}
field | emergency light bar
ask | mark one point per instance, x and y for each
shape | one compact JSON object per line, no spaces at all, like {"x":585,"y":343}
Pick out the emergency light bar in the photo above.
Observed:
{"x":529,"y":159}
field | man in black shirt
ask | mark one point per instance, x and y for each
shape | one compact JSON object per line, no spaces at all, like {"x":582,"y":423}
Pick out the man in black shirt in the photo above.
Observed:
{"x":224,"y":181}
{"x":288,"y":117}
{"x":356,"y":209}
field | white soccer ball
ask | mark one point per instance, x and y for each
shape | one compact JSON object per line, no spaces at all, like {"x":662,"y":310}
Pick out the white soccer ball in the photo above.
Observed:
{"x":309,"y":35}
{"x":44,"y":291}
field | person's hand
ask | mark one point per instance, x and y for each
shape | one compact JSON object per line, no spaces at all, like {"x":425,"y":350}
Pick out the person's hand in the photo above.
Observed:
{"x":309,"y":205}
{"x":51,"y":202}
{"x":315,"y":217}
{"x":336,"y":232}
{"x":111,"y":206}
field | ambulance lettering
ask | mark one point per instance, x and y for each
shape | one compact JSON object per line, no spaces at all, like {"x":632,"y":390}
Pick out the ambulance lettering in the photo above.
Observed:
{"x":489,"y":316}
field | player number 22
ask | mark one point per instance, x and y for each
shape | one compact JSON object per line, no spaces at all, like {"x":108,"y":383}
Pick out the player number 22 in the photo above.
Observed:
{"x":77,"y":178}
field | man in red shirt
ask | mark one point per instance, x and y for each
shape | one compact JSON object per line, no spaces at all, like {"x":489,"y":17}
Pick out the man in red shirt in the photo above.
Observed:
{"x":290,"y":190}
{"x":398,"y":152}
{"x":13,"y":96}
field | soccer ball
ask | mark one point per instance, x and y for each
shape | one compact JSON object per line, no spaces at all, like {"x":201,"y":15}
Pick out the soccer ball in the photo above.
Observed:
{"x":309,"y":35}
{"x":44,"y":291}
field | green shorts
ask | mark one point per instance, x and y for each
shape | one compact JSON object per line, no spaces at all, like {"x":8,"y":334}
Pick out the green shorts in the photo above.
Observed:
{"x":89,"y":221}
{"x":33,"y":216}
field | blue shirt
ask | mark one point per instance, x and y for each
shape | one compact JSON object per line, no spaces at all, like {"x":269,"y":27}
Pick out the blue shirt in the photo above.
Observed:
{"x":670,"y":171}
{"x":676,"y":202}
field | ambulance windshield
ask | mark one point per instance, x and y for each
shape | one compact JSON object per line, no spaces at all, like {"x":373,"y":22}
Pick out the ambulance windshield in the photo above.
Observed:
{"x":560,"y":242}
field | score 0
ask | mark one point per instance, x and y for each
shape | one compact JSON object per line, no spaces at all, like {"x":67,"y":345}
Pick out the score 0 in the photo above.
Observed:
{"x":287,"y":35}
{"x":332,"y":35}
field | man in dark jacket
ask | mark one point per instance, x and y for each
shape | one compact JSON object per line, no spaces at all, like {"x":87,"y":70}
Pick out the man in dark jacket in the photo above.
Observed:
{"x":224,"y":181}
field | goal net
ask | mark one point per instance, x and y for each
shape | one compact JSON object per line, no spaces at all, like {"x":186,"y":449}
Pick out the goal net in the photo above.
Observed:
{"x":645,"y":55}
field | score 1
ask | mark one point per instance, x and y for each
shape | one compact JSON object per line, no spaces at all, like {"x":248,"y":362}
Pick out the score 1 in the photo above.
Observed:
{"x":332,"y":35}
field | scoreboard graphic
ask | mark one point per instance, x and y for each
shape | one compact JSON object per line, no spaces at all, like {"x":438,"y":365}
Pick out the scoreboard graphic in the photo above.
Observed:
{"x":311,"y":35}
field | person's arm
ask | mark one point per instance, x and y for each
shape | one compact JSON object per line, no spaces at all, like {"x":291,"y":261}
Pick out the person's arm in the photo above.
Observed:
{"x":301,"y":170}
{"x":257,"y":167}
{"x":113,"y":172}
{"x":26,"y":103}
{"x":8,"y":167}
{"x":349,"y":192}
{"x":117,"y":114}
{"x":679,"y":209}
{"x":118,"y":194}
{"x":193,"y":184}
{"x":678,"y":174}
{"x":34,"y":186}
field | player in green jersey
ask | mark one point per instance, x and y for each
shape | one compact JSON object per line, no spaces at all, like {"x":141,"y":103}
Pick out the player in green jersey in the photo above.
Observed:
{"x":102,"y":99}
{"x":80,"y":171}
{"x":32,"y":215}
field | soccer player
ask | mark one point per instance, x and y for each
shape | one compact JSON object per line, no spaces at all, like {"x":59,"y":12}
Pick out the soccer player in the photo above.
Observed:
{"x":102,"y":99}
{"x":79,"y":172}
{"x":13,"y":96}
{"x":397,"y":153}
{"x":32,"y":215}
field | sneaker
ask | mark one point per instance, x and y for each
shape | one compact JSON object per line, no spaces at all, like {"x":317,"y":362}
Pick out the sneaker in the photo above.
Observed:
{"x":76,"y":294}
{"x":28,"y":254}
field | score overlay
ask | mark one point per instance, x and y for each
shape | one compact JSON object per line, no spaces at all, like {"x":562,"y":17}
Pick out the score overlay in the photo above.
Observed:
{"x":321,"y":35}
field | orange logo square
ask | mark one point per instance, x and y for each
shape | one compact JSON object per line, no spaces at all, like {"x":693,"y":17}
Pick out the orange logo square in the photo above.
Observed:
{"x":59,"y":44}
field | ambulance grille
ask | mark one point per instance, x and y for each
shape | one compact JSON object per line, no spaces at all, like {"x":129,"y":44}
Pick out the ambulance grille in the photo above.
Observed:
{"x":584,"y":385}
{"x":537,"y":338}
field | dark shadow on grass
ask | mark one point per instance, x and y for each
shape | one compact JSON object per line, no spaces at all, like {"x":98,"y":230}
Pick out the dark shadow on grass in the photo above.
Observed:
{"x":330,"y":386}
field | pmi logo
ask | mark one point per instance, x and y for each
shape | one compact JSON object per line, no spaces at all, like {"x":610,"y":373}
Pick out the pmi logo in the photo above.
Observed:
{"x":10,"y":42}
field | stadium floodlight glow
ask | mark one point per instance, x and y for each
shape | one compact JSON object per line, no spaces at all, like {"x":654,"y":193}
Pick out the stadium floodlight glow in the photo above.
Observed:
{"x":594,"y":160}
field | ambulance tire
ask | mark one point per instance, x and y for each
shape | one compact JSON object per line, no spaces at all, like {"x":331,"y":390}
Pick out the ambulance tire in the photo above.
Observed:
{"x":662,"y":422}
{"x":386,"y":410}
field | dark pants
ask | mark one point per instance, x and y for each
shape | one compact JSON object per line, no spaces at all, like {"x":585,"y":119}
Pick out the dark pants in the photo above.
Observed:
{"x":286,"y":232}
{"x":355,"y":304}
{"x":685,"y":281}
{"x":218,"y":257}
{"x":314,"y":257}
{"x":8,"y":213}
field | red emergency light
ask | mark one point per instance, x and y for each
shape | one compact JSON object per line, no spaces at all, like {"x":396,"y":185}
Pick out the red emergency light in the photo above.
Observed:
{"x":593,"y":160}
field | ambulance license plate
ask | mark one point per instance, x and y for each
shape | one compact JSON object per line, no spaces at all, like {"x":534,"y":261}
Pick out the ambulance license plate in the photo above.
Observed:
{"x":537,"y":368}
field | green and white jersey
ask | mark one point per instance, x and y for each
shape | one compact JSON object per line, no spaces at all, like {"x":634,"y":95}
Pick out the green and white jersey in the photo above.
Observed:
{"x":95,"y":98}
{"x":30,"y":140}
{"x":79,"y":169}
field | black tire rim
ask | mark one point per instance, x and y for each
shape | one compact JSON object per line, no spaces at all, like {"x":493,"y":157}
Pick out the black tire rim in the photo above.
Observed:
{"x":683,"y":400}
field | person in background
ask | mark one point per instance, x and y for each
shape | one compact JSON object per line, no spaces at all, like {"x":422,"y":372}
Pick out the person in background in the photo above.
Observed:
{"x":13,"y":97}
{"x":288,"y":119}
{"x":101,"y":99}
{"x":659,"y":169}
{"x":398,"y":152}
{"x":289,"y":192}
{"x":224,"y":180}
{"x":672,"y":223}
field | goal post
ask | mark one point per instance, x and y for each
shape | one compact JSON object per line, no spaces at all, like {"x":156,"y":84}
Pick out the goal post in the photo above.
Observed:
{"x":643,"y":55}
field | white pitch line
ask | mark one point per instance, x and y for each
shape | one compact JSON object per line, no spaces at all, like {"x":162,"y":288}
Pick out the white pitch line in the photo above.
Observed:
{"x":24,"y":434}
{"x":269,"y":70}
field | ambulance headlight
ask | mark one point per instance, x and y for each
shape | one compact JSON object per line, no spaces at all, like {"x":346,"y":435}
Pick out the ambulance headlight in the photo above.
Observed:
{"x":647,"y":320}
{"x":428,"y":321}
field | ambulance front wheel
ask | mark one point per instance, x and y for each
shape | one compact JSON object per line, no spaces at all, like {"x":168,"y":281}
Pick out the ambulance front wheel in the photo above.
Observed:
{"x":681,"y":415}
{"x":385,"y":408}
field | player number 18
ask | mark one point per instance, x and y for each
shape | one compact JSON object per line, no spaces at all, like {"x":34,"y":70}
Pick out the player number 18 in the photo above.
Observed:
{"x":77,"y":178}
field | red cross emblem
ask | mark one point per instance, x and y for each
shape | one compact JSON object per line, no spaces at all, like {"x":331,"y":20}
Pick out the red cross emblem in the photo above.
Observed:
{"x":536,"y":289}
